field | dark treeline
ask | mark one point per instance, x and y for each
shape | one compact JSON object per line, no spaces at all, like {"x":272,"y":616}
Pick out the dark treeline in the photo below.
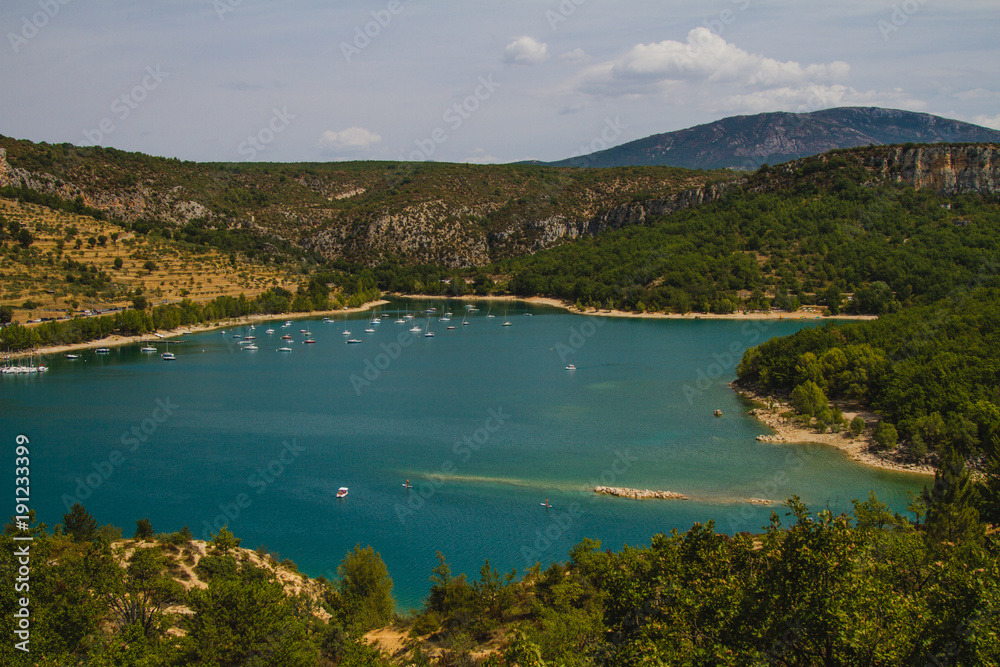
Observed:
{"x":930,"y":371}
{"x":313,"y":295}
{"x":867,"y":588}
{"x":891,"y":246}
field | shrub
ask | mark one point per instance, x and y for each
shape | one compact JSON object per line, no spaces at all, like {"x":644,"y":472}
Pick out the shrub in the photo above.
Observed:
{"x":885,"y":436}
{"x":857,"y":426}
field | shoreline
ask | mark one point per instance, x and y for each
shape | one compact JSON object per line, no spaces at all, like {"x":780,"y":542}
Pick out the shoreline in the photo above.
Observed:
{"x":570,"y":308}
{"x":116,"y":340}
{"x":859,"y":449}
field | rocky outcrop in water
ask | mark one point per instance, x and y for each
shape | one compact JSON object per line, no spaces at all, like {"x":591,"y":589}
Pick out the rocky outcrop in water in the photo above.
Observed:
{"x":638,"y":494}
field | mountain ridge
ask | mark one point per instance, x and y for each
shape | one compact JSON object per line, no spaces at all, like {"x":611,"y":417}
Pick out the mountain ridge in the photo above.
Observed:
{"x":746,"y":142}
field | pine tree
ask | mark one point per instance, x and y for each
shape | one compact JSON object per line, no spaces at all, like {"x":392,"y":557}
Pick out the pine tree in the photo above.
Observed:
{"x":80,"y":524}
{"x":951,"y":505}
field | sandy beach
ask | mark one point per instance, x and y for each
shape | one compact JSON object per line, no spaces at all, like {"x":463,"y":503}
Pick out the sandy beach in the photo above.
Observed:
{"x":557,"y":303}
{"x":116,"y":340}
{"x":861,"y":449}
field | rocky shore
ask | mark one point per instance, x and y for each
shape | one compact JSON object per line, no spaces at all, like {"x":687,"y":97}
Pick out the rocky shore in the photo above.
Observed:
{"x":860,"y":449}
{"x":638,"y":494}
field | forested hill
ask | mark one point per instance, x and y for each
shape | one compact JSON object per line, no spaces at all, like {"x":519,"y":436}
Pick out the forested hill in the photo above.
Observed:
{"x":746,"y":142}
{"x":930,"y":371}
{"x":889,"y":226}
{"x":446,"y":214}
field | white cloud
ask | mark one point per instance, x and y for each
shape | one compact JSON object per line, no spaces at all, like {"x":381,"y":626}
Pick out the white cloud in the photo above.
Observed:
{"x":815,"y":97}
{"x":575,"y":56}
{"x":526,"y":51}
{"x":705,"y":58}
{"x":988,"y":121}
{"x":353,"y":138}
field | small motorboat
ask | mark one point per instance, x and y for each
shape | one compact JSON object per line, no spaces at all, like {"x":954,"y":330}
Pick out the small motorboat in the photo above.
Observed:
{"x":353,"y":341}
{"x":252,"y":348}
{"x":571,"y":367}
{"x":148,"y":348}
{"x":286,"y":337}
{"x":342,"y":492}
{"x":284,"y":349}
{"x":72,"y":356}
{"x":308,"y":341}
{"x":168,"y":356}
{"x":269,"y":332}
{"x":449,"y":328}
{"x":103,"y":350}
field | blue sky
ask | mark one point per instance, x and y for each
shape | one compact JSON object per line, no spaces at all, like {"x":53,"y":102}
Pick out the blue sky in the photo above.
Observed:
{"x":471,"y":80}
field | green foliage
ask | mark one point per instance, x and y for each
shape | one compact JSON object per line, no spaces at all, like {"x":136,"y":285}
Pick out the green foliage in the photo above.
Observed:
{"x":6,"y":314}
{"x":79,"y":524}
{"x":885,"y":435}
{"x":223,"y":542}
{"x":246,"y":621}
{"x":928,"y":370}
{"x":857,"y":426}
{"x":952,"y":516}
{"x":143,"y":529}
{"x":364,"y":591}
{"x":808,"y":398}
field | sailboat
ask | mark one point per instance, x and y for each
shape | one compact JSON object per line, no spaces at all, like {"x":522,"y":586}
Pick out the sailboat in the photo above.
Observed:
{"x":465,"y":320}
{"x":506,"y":322}
{"x":346,"y":332}
{"x":167,"y":355}
{"x":429,"y":334}
{"x":488,"y":311}
{"x":399,"y":320}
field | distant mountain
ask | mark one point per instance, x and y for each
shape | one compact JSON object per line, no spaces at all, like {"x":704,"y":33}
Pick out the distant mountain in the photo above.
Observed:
{"x":746,"y":142}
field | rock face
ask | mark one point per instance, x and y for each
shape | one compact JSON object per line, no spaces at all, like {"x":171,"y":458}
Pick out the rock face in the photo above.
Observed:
{"x":638,"y":494}
{"x":947,"y":169}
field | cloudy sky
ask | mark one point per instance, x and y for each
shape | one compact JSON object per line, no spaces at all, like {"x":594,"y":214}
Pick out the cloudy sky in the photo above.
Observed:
{"x":470,"y":80}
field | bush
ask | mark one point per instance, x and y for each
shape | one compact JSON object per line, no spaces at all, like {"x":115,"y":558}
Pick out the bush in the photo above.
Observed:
{"x":857,"y":426}
{"x":885,"y":436}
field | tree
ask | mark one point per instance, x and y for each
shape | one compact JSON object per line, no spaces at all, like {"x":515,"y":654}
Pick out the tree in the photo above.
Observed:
{"x":833,"y":299}
{"x":6,"y":314}
{"x":140,"y":597}
{"x":102,"y":240}
{"x":857,"y":426}
{"x":224,"y":541}
{"x":365,"y":589}
{"x":91,"y":242}
{"x":951,"y":505}
{"x":808,"y":398}
{"x":119,"y":263}
{"x":24,"y":238}
{"x":143,"y":529}
{"x":885,"y":435}
{"x":150,"y":265}
{"x":79,"y":524}
{"x":247,"y":621}
{"x":140,"y":302}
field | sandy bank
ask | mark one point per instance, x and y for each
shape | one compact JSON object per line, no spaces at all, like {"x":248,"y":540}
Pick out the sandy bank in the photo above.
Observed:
{"x":861,"y":449}
{"x":116,"y":340}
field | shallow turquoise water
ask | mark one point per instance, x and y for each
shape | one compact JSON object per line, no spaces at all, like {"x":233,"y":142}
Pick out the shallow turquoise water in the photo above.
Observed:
{"x":483,"y":420}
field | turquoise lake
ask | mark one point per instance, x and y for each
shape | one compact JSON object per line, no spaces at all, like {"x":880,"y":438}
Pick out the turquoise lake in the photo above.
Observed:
{"x":484,"y":420}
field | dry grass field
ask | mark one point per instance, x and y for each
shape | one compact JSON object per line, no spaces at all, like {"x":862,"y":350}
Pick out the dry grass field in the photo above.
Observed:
{"x":42,"y":278}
